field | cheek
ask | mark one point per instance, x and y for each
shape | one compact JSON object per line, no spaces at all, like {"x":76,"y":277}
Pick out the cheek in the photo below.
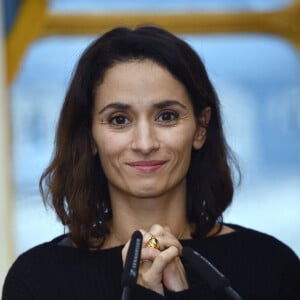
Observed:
{"x":110,"y":146}
{"x":181,"y":141}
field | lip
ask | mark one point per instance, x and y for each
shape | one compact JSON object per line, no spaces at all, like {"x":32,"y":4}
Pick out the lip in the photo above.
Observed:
{"x":147,"y":166}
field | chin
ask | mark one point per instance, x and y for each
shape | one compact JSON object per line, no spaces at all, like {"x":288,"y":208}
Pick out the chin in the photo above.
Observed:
{"x":147,"y":193}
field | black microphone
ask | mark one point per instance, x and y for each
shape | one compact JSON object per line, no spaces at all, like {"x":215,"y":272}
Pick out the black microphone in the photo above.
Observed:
{"x":209,"y":272}
{"x":130,"y":272}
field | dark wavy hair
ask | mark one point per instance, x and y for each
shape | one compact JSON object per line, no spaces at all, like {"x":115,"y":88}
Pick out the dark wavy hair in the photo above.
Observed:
{"x":74,"y":183}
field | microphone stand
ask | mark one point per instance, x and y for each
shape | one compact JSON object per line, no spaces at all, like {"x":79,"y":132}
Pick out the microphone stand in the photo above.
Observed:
{"x":125,"y":293}
{"x":231,"y":293}
{"x":131,"y":266}
{"x":209,"y":272}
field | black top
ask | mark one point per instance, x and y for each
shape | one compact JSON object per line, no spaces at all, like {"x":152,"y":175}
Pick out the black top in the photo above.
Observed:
{"x":258,"y":266}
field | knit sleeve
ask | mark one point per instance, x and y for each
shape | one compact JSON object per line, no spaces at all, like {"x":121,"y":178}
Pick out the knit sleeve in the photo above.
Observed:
{"x":15,"y":288}
{"x":290,"y":279}
{"x":200,"y":291}
{"x":140,"y":292}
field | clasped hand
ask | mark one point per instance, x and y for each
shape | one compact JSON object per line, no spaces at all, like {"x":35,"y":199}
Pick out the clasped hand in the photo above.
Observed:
{"x":160,"y":269}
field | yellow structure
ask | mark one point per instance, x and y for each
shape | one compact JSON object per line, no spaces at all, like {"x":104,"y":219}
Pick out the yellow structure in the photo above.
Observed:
{"x":34,"y":21}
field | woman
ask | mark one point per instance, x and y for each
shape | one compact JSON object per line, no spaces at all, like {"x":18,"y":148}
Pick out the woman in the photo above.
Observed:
{"x":140,"y":146}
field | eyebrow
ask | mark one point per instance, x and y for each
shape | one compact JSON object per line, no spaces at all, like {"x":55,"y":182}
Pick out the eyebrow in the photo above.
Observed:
{"x":167,"y":103}
{"x":159,"y":105}
{"x":115,"y":105}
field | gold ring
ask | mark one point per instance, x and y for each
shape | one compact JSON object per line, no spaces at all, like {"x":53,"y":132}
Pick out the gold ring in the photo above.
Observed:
{"x":153,"y":243}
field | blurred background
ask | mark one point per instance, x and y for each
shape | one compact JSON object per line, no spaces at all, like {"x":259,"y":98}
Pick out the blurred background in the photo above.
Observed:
{"x":252,"y":52}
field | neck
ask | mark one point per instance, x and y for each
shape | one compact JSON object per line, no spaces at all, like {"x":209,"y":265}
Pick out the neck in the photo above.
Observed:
{"x":130,"y":214}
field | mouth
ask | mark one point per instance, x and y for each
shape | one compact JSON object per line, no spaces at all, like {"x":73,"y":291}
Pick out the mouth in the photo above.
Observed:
{"x":147,"y":166}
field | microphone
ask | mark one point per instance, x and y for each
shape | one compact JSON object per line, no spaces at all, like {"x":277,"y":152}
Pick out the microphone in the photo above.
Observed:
{"x":130,"y":272}
{"x":209,"y":272}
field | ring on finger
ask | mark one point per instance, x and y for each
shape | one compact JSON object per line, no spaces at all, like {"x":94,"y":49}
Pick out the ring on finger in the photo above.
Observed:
{"x":153,"y":243}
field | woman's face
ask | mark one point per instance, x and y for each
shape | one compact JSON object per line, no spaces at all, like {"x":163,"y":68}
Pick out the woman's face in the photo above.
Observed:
{"x":144,"y":129}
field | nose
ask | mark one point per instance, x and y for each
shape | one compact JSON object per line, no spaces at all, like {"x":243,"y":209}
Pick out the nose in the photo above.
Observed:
{"x":145,"y":137}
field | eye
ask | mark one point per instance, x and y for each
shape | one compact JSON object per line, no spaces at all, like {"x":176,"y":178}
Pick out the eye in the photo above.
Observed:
{"x":168,"y":116}
{"x":119,"y":120}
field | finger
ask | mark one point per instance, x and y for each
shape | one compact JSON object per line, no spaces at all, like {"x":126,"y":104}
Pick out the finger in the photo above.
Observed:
{"x":155,"y":230}
{"x":167,"y":228}
{"x":163,"y":235}
{"x":147,"y":278}
{"x":163,"y":259}
{"x":169,"y":240}
{"x":148,"y":255}
{"x":174,"y":276}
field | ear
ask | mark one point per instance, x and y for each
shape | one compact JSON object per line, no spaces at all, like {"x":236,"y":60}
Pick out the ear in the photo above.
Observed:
{"x":202,"y":124}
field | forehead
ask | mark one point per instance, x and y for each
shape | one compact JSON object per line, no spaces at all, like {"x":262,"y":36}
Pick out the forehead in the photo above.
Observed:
{"x":141,"y":81}
{"x":135,"y":70}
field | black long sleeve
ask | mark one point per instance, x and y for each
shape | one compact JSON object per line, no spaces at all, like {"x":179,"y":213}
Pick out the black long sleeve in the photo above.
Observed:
{"x":258,"y":266}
